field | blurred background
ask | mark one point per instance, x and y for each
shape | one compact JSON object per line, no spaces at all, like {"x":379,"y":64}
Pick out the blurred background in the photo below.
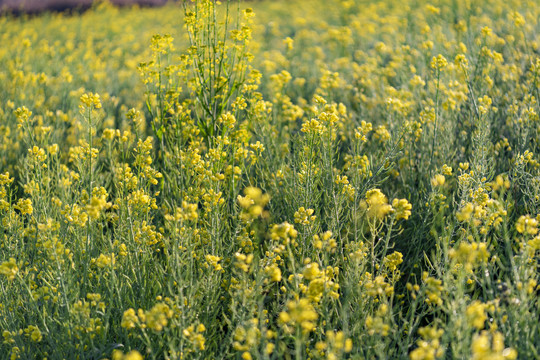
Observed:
{"x":35,"y":6}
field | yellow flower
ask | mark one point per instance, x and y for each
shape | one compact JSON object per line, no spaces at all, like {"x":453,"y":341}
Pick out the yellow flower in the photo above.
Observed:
{"x":312,"y":126}
{"x":447,"y":170}
{"x":433,"y":10}
{"x":253,"y":203}
{"x":24,"y":206}
{"x":243,"y":262}
{"x":470,"y":255}
{"x":439,"y":62}
{"x":402,"y":208}
{"x":104,"y":261}
{"x":377,"y":324}
{"x":382,"y":133}
{"x":461,"y":60}
{"x":429,"y":346}
{"x":90,"y":100}
{"x":393,"y":260}
{"x":518,"y":19}
{"x":311,"y":271}
{"x":269,"y":348}
{"x":289,"y":43}
{"x":273,"y":272}
{"x":378,"y":287}
{"x":348,"y":346}
{"x":34,"y":333}
{"x":490,"y":347}
{"x":377,"y":204}
{"x":301,"y":313}
{"x":438,"y":180}
{"x":434,"y":290}
{"x":129,"y":319}
{"x":466,"y":212}
{"x":304,"y":216}
{"x":214,"y":262}
{"x":361,"y":131}
{"x":132,"y":355}
{"x":9,"y":269}
{"x":195,"y":336}
{"x":527,"y":225}
{"x":476,"y":314}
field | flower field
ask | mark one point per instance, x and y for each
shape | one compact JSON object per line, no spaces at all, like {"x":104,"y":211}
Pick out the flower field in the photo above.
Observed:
{"x":301,"y":179}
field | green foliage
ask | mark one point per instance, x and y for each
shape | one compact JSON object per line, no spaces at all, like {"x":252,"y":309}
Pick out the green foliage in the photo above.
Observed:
{"x":330,"y":179}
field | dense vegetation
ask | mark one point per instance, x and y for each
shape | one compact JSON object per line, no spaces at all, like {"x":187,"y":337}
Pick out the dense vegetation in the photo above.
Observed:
{"x":325,"y":179}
